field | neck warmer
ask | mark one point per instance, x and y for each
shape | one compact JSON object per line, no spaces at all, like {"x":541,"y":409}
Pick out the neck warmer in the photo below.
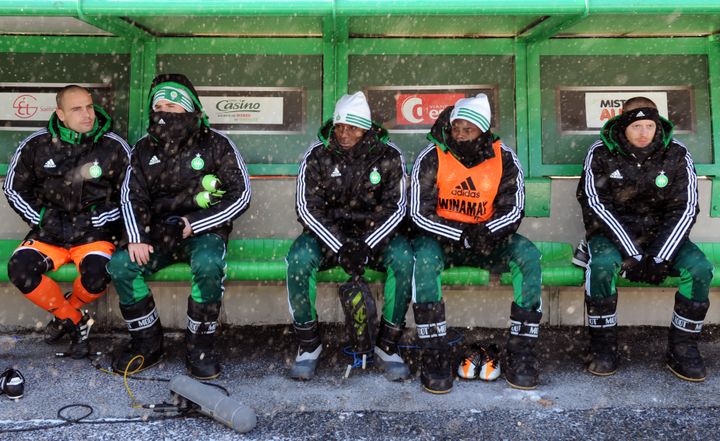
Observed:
{"x":173,"y":128}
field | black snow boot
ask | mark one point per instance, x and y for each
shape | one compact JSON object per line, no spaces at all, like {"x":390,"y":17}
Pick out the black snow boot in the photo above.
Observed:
{"x":200,"y":358}
{"x":683,"y":356}
{"x":435,"y":371}
{"x":146,"y":338}
{"x":79,"y":335}
{"x":387,"y":353}
{"x":309,"y":349}
{"x":520,"y":360}
{"x":602,"y":325}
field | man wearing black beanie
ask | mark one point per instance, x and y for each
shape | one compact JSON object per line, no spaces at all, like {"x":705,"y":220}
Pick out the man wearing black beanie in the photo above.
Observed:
{"x":638,"y":193}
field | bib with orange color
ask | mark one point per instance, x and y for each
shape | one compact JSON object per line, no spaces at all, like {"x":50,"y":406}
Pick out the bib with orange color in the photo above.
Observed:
{"x":467,"y":194}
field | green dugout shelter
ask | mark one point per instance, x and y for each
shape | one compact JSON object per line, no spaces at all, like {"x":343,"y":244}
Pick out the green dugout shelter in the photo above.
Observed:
{"x":270,"y":72}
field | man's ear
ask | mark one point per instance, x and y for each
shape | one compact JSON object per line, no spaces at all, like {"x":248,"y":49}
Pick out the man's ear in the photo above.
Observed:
{"x":60,"y":114}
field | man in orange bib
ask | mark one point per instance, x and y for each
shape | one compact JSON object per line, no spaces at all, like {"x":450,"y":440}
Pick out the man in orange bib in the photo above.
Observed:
{"x":467,"y":200}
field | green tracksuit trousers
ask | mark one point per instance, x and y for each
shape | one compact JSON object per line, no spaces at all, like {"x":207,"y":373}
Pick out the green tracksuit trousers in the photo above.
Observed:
{"x":205,"y":253}
{"x":308,"y":255}
{"x":515,"y":253}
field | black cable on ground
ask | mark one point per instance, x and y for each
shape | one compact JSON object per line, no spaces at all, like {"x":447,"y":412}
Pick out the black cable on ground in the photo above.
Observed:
{"x":182,"y":411}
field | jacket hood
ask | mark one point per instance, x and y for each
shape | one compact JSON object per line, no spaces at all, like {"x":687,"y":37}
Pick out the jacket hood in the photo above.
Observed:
{"x":103,"y":124}
{"x":611,"y":131}
{"x":182,"y":82}
{"x":325,"y":132}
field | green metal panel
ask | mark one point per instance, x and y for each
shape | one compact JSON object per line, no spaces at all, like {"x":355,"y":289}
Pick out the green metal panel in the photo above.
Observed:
{"x":549,"y":26}
{"x":118,"y":27}
{"x":63,"y":45}
{"x":714,"y":87}
{"x":431,"y":46}
{"x":222,"y":46}
{"x":624,"y":46}
{"x":143,"y":61}
{"x":537,"y":197}
{"x":630,"y":24}
{"x":329,"y":67}
{"x":521,"y":105}
{"x":233,"y":25}
{"x":440,"y":26}
{"x":534,"y":109}
{"x":655,"y":6}
{"x":351,"y":7}
{"x":459,"y":7}
{"x":341,"y":62}
{"x":273,"y":169}
{"x":204,"y":7}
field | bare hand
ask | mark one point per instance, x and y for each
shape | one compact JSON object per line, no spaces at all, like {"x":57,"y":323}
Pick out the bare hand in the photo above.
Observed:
{"x":140,"y":253}
{"x":187,"y":231}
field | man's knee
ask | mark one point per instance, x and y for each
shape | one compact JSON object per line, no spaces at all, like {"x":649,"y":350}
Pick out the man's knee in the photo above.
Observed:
{"x":120,"y":267}
{"x":401,"y":257}
{"x":93,"y":275}
{"x":428,"y":257}
{"x":302,"y":258}
{"x":702,"y":271}
{"x":208,"y":264}
{"x":603,"y":265}
{"x":25,"y":269}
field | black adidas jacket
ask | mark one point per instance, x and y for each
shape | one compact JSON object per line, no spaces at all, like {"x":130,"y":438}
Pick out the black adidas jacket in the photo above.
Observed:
{"x":357,"y":194}
{"x":509,"y":203}
{"x":644,"y":207}
{"x":162,"y":181}
{"x":69,"y":191}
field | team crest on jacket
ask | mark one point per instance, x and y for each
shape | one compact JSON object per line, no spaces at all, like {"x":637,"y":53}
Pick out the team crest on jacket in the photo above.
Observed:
{"x":95,"y":170}
{"x":375,"y":176}
{"x":197,"y":163}
{"x":661,"y":180}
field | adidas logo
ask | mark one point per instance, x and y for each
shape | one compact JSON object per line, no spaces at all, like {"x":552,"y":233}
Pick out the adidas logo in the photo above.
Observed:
{"x":616,"y":175}
{"x":336,"y":173}
{"x":154,"y":160}
{"x":640,"y":113}
{"x":50,"y":164}
{"x":467,"y":184}
{"x":162,"y":121}
{"x":466,"y":188}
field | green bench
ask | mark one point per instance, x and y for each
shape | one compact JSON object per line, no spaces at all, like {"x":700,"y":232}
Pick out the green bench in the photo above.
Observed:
{"x":263,"y":260}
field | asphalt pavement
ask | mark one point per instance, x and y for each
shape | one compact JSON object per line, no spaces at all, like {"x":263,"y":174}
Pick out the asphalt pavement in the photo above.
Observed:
{"x":642,"y":401}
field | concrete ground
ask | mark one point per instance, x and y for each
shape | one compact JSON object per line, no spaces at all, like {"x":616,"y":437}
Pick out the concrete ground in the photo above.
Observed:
{"x":642,"y":401}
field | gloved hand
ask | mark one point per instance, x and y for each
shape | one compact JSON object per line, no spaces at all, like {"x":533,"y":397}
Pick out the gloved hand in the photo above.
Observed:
{"x":168,"y":234}
{"x":205,"y":199}
{"x":353,"y":256}
{"x":478,"y":238}
{"x":656,"y":269}
{"x":212,"y":184}
{"x":633,"y":268}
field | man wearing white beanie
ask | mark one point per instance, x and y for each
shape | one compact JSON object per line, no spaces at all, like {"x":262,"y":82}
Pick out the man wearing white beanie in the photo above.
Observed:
{"x":467,"y":200}
{"x":350,"y":199}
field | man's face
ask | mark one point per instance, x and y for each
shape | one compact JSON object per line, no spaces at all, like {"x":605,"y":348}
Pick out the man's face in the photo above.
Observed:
{"x":168,"y":106}
{"x":76,"y":111}
{"x":347,"y":136}
{"x":641,"y":133}
{"x":463,"y":130}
